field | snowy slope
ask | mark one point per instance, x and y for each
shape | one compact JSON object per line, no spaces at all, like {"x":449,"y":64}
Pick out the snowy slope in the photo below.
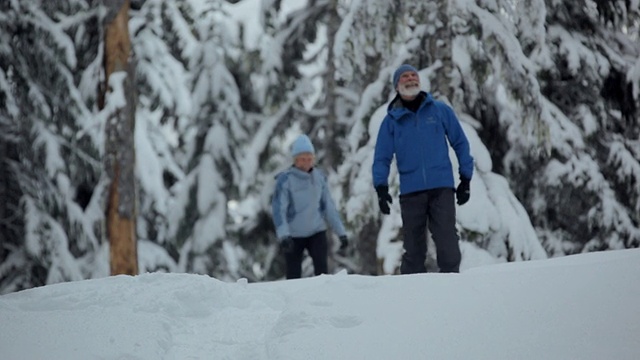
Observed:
{"x":575,"y":307}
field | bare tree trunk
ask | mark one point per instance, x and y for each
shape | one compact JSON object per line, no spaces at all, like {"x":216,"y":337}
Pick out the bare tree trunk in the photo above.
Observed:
{"x":3,"y":195}
{"x":439,"y":47}
{"x":367,"y":249}
{"x":119,"y":145}
{"x":331,"y":148}
{"x":330,"y":143}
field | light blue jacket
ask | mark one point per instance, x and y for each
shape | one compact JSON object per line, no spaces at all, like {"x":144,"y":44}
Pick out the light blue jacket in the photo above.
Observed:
{"x":419,"y":142}
{"x":302,"y":204}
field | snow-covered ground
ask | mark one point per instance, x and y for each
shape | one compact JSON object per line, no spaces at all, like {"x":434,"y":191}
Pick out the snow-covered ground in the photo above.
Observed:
{"x":575,"y":307}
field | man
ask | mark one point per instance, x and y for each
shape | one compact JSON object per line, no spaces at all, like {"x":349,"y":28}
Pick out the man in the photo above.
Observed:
{"x":302,"y":206}
{"x":416,"y":130}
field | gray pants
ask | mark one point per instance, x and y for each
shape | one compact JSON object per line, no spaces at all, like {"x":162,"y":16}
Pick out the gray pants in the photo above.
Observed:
{"x":434,"y":208}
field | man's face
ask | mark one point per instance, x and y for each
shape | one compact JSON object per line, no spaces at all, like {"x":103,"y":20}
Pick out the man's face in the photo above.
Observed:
{"x":409,"y":85}
{"x":304,"y":161}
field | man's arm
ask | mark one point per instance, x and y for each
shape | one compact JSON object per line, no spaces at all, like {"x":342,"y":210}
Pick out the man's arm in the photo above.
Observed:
{"x":383,"y":154}
{"x":459,"y":142}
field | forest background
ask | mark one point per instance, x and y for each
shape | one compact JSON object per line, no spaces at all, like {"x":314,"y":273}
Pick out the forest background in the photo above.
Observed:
{"x":548,"y":93}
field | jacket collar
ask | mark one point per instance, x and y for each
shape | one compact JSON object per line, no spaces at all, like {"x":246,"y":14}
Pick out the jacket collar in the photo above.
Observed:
{"x":396,"y":109}
{"x":299,"y":173}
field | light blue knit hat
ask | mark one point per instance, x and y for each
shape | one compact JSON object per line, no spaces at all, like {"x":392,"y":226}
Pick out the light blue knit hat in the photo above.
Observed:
{"x":401,"y":69}
{"x":302,"y":145}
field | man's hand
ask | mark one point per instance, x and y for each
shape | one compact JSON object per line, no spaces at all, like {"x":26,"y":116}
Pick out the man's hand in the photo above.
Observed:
{"x":344,"y":242}
{"x":384,"y":199}
{"x":462,"y":192}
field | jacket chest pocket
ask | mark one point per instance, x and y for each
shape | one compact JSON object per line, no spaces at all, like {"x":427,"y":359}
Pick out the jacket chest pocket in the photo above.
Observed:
{"x":408,"y":145}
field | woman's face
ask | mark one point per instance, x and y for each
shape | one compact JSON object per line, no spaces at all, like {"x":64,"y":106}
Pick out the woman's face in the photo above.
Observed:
{"x":304,"y":161}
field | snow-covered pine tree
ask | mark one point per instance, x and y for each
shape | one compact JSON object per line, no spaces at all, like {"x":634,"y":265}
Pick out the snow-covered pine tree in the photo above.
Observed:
{"x":491,"y":67}
{"x":560,"y":115}
{"x":226,"y":94}
{"x":213,"y":140}
{"x":371,"y":46}
{"x":547,"y":92}
{"x":586,"y":197}
{"x":12,"y":250}
{"x":160,"y":36}
{"x":49,"y":86}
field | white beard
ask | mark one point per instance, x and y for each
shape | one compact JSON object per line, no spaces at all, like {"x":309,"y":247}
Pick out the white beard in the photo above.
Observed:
{"x":409,"y":91}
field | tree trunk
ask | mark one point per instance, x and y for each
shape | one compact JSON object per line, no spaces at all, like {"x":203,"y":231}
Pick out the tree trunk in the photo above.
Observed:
{"x":119,"y":144}
{"x":3,"y":195}
{"x":439,"y":47}
{"x":366,"y":248}
{"x":331,"y":148}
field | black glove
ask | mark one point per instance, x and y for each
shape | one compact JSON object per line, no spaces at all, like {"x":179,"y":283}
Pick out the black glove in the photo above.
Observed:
{"x":462,"y":192}
{"x":344,"y":242}
{"x":286,"y":244}
{"x":384,"y":199}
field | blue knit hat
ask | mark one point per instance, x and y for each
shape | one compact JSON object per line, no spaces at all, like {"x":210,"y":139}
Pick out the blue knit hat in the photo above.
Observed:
{"x":401,"y":69}
{"x":302,"y":145}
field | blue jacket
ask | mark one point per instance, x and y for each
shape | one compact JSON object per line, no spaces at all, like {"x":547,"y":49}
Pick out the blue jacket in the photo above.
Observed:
{"x":302,"y":204}
{"x":419,"y":142}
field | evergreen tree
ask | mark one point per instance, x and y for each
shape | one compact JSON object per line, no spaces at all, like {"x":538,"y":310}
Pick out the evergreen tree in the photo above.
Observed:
{"x":409,"y":37}
{"x":584,"y":196}
{"x":225,"y":94}
{"x":52,"y":220}
{"x":547,"y":92}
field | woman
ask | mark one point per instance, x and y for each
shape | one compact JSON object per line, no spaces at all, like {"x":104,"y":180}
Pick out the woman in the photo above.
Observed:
{"x":302,"y":207}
